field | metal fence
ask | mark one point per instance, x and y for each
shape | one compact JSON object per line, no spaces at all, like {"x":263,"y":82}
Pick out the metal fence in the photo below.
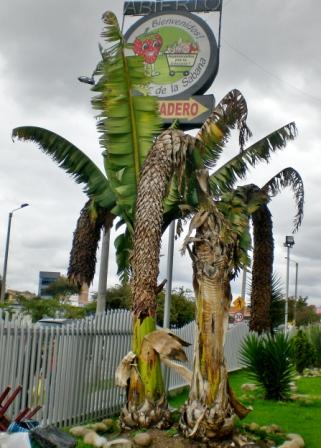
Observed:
{"x":69,"y":370}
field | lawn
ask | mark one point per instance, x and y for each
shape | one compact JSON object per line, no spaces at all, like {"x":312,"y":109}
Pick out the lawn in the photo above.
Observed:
{"x":295,"y":417}
{"x":302,"y":417}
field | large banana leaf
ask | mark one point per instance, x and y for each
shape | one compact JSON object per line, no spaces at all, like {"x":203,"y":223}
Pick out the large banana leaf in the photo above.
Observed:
{"x":230,"y":113}
{"x":288,"y":177}
{"x":72,"y":160}
{"x":127,"y":123}
{"x":224,"y":178}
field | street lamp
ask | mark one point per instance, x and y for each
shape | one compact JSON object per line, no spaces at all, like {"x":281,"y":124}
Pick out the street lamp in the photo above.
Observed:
{"x":295,"y":288}
{"x":87,"y":80}
{"x":4,"y":275}
{"x":289,"y":243}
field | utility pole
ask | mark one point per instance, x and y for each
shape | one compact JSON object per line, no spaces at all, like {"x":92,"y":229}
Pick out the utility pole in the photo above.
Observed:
{"x":5,"y":263}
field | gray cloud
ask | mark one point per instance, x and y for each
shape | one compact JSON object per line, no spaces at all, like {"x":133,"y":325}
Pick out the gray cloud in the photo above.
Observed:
{"x":45,"y":46}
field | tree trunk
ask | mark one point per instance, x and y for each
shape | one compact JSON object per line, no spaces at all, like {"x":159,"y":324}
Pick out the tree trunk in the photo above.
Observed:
{"x":262,"y":270}
{"x":147,"y":405}
{"x":84,"y":293}
{"x":211,"y":409}
{"x":103,"y":272}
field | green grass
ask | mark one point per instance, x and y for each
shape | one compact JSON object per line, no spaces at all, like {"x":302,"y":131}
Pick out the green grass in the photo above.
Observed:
{"x":295,"y":417}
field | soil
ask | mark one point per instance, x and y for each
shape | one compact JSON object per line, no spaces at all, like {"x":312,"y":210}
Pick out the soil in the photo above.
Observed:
{"x":172,"y":439}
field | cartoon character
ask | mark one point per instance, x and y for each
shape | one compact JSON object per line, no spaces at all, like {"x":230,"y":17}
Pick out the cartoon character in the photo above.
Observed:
{"x":148,"y":46}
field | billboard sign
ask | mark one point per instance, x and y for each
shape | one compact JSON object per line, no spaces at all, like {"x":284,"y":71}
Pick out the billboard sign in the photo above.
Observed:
{"x":179,"y":50}
{"x":151,"y":7}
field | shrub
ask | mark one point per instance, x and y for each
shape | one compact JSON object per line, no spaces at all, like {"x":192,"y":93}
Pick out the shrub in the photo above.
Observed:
{"x":315,"y":338}
{"x":268,"y":360}
{"x":303,"y":351}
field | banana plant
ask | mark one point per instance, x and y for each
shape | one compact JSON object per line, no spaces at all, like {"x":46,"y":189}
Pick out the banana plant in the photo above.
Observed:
{"x":175,"y":176}
{"x":127,"y":124}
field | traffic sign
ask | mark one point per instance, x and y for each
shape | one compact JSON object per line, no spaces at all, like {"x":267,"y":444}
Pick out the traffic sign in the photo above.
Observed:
{"x":239,"y":303}
{"x":238,"y":317}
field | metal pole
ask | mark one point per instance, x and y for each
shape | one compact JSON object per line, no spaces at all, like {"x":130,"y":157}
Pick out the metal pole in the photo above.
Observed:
{"x":296,"y":290}
{"x":4,"y":275}
{"x":168,"y":292}
{"x":287,"y":291}
{"x":103,"y":272}
{"x":243,"y":292}
{"x":169,"y":275}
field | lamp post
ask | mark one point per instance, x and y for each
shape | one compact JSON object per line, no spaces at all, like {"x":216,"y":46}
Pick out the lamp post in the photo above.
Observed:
{"x":289,"y":243}
{"x":4,"y":275}
{"x":295,"y":288}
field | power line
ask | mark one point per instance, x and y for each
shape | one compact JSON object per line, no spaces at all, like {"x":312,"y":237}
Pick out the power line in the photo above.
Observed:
{"x":273,"y":75}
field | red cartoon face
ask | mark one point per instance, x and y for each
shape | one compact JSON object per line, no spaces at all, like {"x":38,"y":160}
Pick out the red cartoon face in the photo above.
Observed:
{"x":149,"y":47}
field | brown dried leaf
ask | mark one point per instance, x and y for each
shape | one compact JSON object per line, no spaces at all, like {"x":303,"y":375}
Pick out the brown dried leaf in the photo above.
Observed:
{"x":124,"y":369}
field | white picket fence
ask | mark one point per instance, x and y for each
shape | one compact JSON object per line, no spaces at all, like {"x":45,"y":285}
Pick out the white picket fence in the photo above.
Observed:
{"x":69,"y":370}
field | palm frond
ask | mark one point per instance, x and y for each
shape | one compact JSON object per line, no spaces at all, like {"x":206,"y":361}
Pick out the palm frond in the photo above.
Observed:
{"x":127,"y":123}
{"x":268,"y":361}
{"x":288,"y":177}
{"x":225,"y":177}
{"x":230,"y":113}
{"x":72,"y":160}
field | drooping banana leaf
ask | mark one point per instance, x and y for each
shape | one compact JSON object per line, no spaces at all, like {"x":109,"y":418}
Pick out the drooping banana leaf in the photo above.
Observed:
{"x":288,"y":177}
{"x":72,"y":160}
{"x":230,"y":113}
{"x":225,"y":177}
{"x":127,"y":123}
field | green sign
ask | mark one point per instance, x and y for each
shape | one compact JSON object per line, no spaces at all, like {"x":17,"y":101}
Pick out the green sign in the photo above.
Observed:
{"x":179,"y":50}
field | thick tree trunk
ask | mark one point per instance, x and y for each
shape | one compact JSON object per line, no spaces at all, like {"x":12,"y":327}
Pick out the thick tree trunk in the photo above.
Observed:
{"x":147,"y":404}
{"x":211,"y":409}
{"x":262,"y":270}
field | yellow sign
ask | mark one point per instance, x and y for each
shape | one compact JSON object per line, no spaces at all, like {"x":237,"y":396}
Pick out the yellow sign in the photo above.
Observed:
{"x":239,"y":303}
{"x":178,"y":109}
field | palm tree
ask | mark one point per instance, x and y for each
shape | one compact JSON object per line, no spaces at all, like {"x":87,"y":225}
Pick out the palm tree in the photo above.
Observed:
{"x":261,"y":288}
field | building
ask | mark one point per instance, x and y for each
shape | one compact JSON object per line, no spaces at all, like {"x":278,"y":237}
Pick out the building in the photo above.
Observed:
{"x":46,"y":279}
{"x":13,"y":295}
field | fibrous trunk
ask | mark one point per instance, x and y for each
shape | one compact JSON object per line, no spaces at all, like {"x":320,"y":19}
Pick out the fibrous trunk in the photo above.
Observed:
{"x":262,"y":271}
{"x":211,"y":408}
{"x":146,"y":404}
{"x":82,"y":262}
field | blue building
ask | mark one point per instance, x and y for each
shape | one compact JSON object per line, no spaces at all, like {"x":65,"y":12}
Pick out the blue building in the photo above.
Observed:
{"x":46,"y":279}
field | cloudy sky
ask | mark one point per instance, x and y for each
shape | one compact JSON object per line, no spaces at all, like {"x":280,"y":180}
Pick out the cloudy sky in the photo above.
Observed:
{"x":270,"y":51}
